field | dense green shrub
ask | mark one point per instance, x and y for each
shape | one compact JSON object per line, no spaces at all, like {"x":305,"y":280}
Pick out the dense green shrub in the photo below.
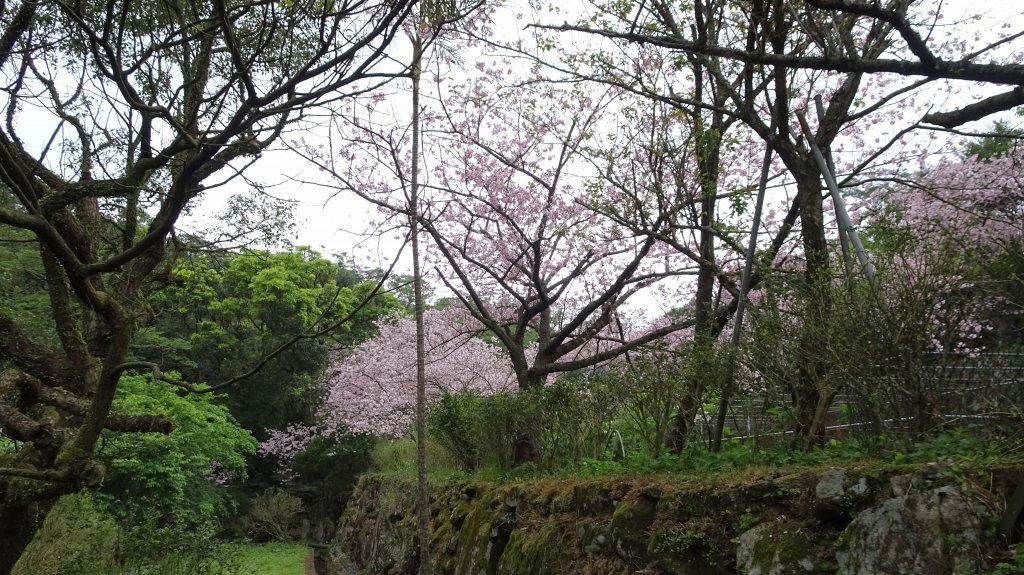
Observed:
{"x":568,"y":420}
{"x":398,"y":457}
{"x":274,"y":513}
{"x":324,"y":474}
{"x":77,"y":538}
{"x":174,"y":478}
{"x":452,"y":420}
{"x":152,"y":548}
{"x":479,"y":430}
{"x":656,"y":383}
{"x":80,"y":536}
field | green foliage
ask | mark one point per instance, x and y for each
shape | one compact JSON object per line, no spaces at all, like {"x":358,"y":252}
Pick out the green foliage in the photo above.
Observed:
{"x":1002,"y":141}
{"x":1002,"y":280}
{"x":887,"y":235}
{"x":569,"y":420}
{"x":274,"y":513}
{"x":224,"y":313}
{"x":452,"y":421}
{"x":81,"y":537}
{"x":275,"y":290}
{"x":461,"y":421}
{"x":398,"y":457}
{"x":1013,"y":565}
{"x":959,"y":448}
{"x":330,"y":465}
{"x":23,"y":289}
{"x":650,"y":388}
{"x":577,"y":412}
{"x":77,"y":538}
{"x":171,"y":478}
{"x":675,"y":541}
{"x":154,"y":549}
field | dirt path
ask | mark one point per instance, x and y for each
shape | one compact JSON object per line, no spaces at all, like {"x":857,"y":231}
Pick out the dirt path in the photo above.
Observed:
{"x":310,"y":563}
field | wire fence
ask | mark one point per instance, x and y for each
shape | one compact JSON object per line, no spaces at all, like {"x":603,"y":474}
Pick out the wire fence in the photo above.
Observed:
{"x":921,"y":395}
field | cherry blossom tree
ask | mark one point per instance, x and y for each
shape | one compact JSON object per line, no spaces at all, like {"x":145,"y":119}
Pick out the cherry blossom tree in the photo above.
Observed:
{"x":512,"y":236}
{"x":371,"y":388}
{"x":958,"y":224}
{"x":532,"y":262}
{"x":686,"y":45}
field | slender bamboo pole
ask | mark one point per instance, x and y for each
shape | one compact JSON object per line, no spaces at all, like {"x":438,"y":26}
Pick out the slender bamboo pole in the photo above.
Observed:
{"x":748,"y":267}
{"x":422,"y":488}
{"x":842,"y":216}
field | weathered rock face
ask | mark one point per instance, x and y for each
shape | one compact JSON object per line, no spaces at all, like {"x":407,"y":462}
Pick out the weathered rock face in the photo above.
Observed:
{"x":780,"y":548}
{"x":797,"y":525}
{"x":937,"y":531}
{"x":837,"y":495}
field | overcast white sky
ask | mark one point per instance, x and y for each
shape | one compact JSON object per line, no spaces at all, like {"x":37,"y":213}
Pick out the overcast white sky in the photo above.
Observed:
{"x":337,"y":225}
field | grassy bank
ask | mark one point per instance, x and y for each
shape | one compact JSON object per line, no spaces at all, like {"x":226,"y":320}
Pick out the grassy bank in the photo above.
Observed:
{"x":271,"y":558}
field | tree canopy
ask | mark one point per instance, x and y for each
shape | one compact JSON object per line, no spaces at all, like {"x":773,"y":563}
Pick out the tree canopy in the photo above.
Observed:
{"x":578,"y":203}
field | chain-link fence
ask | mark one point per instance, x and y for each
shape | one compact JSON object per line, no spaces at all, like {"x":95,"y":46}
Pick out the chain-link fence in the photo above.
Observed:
{"x":924,"y":394}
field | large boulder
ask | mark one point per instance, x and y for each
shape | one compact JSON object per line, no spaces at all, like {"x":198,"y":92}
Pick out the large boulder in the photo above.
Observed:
{"x":630,"y":528}
{"x":936,"y":532}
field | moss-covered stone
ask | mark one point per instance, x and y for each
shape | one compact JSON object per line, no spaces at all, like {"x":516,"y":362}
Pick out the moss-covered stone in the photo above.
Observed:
{"x":602,"y":526}
{"x":936,"y":531}
{"x":782,"y":547}
{"x":591,"y":499}
{"x":533,"y":552}
{"x":474,"y":539}
{"x":630,"y":528}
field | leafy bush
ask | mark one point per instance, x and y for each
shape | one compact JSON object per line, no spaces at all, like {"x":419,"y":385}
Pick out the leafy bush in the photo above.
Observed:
{"x":657,"y":382}
{"x":274,"y":513}
{"x":451,"y":421}
{"x":1013,"y":564}
{"x":398,"y":457}
{"x":173,"y":478}
{"x":577,"y":415}
{"x":479,"y":430}
{"x":153,"y":549}
{"x":324,"y":474}
{"x":568,"y":420}
{"x":81,"y":537}
{"x":77,"y":538}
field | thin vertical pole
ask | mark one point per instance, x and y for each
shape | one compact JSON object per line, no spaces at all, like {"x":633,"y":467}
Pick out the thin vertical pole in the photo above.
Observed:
{"x":422,"y":488}
{"x":843,"y":218}
{"x":748,"y":267}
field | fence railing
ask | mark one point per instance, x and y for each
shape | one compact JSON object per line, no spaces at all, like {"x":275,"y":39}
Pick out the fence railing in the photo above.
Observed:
{"x":946,"y":389}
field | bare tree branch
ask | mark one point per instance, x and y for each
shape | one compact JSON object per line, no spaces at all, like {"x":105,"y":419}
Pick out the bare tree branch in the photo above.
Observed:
{"x":978,"y":110}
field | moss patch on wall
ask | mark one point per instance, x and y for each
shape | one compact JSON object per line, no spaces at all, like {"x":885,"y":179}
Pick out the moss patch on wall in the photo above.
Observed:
{"x":590,"y":526}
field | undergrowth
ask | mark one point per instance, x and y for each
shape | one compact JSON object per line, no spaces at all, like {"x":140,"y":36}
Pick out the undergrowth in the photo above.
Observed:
{"x":957,"y":447}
